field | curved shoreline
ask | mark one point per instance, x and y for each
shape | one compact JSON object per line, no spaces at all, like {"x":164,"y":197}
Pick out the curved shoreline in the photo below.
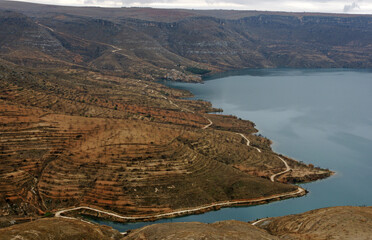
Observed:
{"x":200,"y":209}
{"x":299,"y":192}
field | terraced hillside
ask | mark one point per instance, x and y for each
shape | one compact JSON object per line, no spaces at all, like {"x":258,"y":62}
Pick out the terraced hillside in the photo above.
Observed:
{"x":80,"y":138}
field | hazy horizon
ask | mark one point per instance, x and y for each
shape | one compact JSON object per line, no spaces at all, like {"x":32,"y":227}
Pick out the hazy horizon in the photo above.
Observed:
{"x":321,"y":6}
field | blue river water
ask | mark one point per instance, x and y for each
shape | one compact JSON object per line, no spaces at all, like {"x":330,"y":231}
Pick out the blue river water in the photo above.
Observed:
{"x":319,"y":116}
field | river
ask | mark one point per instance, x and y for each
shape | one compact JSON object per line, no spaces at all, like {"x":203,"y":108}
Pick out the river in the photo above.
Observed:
{"x":316,"y":116}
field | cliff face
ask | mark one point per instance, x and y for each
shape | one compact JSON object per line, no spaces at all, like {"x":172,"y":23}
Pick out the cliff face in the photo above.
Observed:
{"x":156,"y":43}
{"x":268,"y":41}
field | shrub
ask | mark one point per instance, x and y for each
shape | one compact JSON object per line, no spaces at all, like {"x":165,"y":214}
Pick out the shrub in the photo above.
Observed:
{"x":49,"y":214}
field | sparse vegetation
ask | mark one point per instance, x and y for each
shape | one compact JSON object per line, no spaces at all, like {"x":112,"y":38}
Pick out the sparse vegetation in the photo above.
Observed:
{"x":80,"y":125}
{"x":196,"y":70}
{"x":48,"y":214}
{"x":116,"y":162}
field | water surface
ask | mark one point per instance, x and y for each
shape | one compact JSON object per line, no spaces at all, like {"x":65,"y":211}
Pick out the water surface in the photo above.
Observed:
{"x":317,"y":116}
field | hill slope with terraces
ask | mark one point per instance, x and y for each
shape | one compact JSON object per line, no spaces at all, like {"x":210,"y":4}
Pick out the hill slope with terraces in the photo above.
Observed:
{"x":73,"y":137}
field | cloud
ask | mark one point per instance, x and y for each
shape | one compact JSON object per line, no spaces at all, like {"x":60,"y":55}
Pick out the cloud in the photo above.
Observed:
{"x":285,"y":5}
{"x":351,"y":7}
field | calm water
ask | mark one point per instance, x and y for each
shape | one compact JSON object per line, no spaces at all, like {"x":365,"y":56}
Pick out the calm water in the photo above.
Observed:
{"x":322,"y":117}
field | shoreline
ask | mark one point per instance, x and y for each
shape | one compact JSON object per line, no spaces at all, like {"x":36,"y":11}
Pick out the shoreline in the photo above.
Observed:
{"x":115,"y":217}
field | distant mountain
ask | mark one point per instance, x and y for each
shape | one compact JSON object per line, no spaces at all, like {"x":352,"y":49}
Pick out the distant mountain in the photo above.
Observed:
{"x":159,"y":43}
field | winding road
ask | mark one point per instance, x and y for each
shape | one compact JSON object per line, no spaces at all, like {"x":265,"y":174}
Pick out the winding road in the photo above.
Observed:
{"x":272,"y":178}
{"x":208,"y":125}
{"x":190,"y":111}
{"x":186,"y":211}
{"x":192,"y":210}
{"x":115,"y":48}
{"x":298,"y":192}
{"x":248,"y":142}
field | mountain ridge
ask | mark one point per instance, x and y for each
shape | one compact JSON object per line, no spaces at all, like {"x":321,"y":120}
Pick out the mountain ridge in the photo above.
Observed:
{"x":168,"y":42}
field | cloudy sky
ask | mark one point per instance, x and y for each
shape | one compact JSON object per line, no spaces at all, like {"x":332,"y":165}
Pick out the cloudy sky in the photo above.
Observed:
{"x":335,"y":6}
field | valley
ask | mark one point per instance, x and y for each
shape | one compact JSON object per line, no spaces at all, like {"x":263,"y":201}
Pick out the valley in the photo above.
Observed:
{"x":89,"y":129}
